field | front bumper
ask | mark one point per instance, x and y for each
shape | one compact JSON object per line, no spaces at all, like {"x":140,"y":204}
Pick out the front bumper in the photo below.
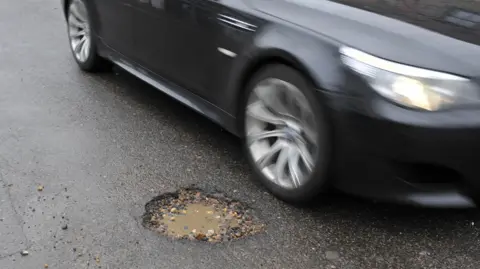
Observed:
{"x":387,"y":152}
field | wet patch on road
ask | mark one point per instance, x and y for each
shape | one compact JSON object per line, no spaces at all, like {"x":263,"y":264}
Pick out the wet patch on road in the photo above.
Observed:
{"x":197,"y":215}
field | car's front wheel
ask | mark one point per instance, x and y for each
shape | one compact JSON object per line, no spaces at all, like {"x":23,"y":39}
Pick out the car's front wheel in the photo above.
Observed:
{"x":82,"y":42}
{"x":286,"y":135}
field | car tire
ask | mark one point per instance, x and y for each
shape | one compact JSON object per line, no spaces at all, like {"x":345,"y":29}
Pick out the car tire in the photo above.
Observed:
{"x":255,"y":144}
{"x":81,"y":38}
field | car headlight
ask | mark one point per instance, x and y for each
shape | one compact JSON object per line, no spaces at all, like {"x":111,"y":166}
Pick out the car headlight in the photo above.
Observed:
{"x":411,"y":86}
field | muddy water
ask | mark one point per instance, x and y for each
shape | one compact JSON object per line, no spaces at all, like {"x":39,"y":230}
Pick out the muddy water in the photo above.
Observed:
{"x":199,"y":217}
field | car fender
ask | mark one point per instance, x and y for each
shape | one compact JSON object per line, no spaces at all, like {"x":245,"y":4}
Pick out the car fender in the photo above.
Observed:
{"x":315,"y":56}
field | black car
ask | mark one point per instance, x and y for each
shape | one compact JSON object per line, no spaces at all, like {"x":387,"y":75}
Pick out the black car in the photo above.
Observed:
{"x":376,"y":98}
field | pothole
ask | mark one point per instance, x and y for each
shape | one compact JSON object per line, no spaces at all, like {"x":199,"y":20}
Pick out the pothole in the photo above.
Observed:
{"x":196,"y":215}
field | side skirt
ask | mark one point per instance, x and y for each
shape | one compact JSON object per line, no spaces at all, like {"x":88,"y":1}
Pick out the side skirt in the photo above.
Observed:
{"x":186,"y":97}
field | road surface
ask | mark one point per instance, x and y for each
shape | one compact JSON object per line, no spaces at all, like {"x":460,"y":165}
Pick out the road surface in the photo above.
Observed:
{"x":104,"y":145}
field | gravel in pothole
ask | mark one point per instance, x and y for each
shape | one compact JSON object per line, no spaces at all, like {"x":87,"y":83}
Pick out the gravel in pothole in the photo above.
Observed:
{"x":195,"y":215}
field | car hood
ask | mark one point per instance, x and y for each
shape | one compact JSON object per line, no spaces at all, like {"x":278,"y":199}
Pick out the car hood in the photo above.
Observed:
{"x":379,"y":35}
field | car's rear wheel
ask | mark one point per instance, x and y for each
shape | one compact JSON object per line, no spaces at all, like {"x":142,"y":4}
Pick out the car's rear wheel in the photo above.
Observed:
{"x":286,"y":136}
{"x":82,"y":41}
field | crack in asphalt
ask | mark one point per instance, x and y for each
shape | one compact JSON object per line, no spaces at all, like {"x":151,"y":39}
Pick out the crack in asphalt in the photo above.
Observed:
{"x":2,"y":257}
{"x":18,"y":217}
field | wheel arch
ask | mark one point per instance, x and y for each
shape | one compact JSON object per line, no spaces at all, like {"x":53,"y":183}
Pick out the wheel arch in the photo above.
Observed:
{"x":272,"y":56}
{"x":314,"y":57}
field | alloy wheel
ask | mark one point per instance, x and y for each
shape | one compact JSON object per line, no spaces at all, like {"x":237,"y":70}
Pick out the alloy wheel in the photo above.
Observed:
{"x":281,"y":133}
{"x":79,"y":30}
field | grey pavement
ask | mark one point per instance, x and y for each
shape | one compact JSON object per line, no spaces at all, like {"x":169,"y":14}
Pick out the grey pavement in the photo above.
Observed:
{"x":103,"y":145}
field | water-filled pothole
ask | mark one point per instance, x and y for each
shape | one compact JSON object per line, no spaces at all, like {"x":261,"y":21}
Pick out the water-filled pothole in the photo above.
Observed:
{"x":196,"y":215}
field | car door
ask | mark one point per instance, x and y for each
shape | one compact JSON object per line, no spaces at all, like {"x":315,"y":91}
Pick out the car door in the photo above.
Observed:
{"x":226,"y":29}
{"x":165,"y":39}
{"x":188,"y":41}
{"x":204,"y":64}
{"x":115,"y":24}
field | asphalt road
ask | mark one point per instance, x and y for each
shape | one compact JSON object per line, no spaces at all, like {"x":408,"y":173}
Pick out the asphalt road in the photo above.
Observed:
{"x":103,"y":145}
